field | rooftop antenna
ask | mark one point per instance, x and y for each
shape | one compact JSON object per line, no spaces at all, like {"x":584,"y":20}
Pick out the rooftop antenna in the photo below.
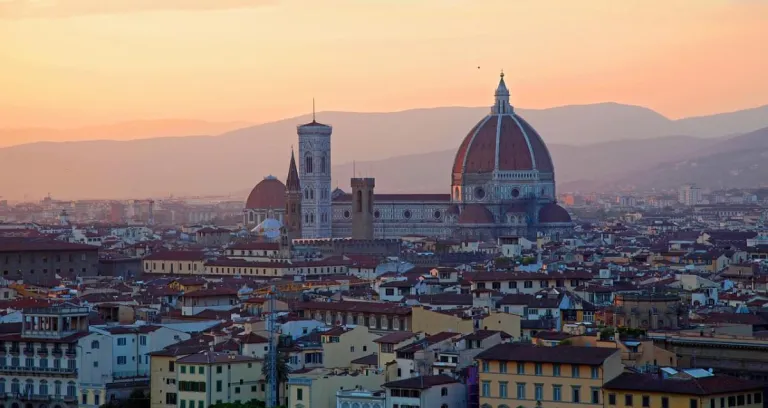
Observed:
{"x":354,"y":172}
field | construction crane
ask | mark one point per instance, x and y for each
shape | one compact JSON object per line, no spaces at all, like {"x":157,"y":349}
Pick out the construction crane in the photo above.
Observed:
{"x":271,"y":294}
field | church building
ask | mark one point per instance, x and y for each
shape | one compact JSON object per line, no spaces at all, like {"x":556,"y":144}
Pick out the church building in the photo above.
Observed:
{"x":502,"y":184}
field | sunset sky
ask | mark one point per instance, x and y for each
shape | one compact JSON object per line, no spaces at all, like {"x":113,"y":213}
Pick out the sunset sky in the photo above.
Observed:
{"x":83,"y":62}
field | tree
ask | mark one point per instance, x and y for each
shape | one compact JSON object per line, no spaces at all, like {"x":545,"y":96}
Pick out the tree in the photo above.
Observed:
{"x":282,"y":369}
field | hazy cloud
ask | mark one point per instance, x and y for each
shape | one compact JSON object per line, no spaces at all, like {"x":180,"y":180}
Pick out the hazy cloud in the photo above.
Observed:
{"x":70,"y":8}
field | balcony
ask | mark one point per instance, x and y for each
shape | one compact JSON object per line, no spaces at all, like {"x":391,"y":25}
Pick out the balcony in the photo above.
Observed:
{"x":29,"y":351}
{"x":42,"y":351}
{"x":15,"y":351}
{"x":71,"y":352}
{"x":37,"y":370}
{"x":57,"y":352}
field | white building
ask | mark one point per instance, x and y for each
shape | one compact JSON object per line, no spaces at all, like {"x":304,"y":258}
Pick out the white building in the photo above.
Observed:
{"x":689,"y":195}
{"x":438,"y":391}
{"x":315,"y":175}
{"x":360,"y":397}
{"x":51,"y":360}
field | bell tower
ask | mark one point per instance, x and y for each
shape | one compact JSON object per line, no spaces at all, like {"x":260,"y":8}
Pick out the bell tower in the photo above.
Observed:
{"x":315,"y":174}
{"x":293,"y":198}
{"x":362,"y":208}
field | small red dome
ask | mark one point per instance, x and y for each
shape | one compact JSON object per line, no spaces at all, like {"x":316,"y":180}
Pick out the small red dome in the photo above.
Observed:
{"x":269,"y":193}
{"x":553,"y":213}
{"x":475,"y":214}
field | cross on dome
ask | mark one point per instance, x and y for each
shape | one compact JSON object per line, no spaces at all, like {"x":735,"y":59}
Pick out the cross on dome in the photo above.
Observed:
{"x":501,"y":105}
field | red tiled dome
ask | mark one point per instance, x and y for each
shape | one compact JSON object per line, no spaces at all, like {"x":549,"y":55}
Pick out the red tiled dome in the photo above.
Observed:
{"x":475,"y":214}
{"x":502,"y":141}
{"x":552,"y":213}
{"x":269,"y":193}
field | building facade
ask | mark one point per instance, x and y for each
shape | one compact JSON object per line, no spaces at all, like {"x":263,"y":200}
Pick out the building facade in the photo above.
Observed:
{"x":516,"y":375}
{"x":39,"y":261}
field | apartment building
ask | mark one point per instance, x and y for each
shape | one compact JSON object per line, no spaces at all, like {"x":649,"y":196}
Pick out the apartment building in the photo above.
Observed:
{"x":521,"y":375}
{"x":695,"y":388}
{"x":341,"y":345}
{"x":52,"y":360}
{"x":317,"y":388}
{"x":438,"y":391}
{"x":211,"y":377}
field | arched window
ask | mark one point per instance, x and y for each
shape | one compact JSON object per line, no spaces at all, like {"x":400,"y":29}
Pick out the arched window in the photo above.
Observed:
{"x":312,"y":218}
{"x":306,"y":218}
{"x":306,"y":194}
{"x":308,"y":163}
{"x":29,"y":387}
{"x":443,"y":391}
{"x":323,"y":164}
{"x":57,"y":388}
{"x":15,"y":386}
{"x":2,"y":386}
{"x":43,"y":387}
{"x":311,"y":194}
{"x":95,"y":344}
{"x":71,"y":389}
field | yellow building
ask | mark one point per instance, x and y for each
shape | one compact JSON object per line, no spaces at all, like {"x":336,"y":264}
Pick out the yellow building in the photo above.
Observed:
{"x":208,"y":378}
{"x":318,"y":387}
{"x":521,"y":375}
{"x":428,"y":321}
{"x":686,"y":389}
{"x":342,"y":345}
{"x":175,"y":263}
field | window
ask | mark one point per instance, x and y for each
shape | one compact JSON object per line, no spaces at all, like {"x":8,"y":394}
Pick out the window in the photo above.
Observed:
{"x":664,"y":402}
{"x":170,"y":399}
{"x":611,"y":399}
{"x":443,"y":391}
{"x":299,"y":394}
{"x":538,"y":392}
{"x":595,"y":395}
{"x":758,"y":398}
{"x":556,"y":370}
{"x":121,"y":341}
{"x":237,"y":390}
{"x":486,"y":367}
{"x":521,"y":368}
{"x":143,"y":340}
{"x":218,"y":386}
{"x":628,"y":400}
{"x":94,"y":344}
{"x":191,"y":369}
{"x":121,"y":360}
{"x":486,"y":389}
{"x":503,"y":389}
{"x":739,"y":401}
{"x":575,"y":394}
{"x":575,"y":371}
{"x":647,"y":401}
{"x":557,"y":393}
{"x":201,"y":370}
{"x":183,"y":404}
{"x":171,"y":366}
{"x":85,"y":399}
{"x":183,"y":369}
{"x":200,"y":404}
{"x":521,"y":391}
{"x":96,"y":399}
{"x":538,"y":369}
{"x":218,"y":370}
{"x":694,"y":403}
{"x":503,"y":367}
{"x":595,"y":372}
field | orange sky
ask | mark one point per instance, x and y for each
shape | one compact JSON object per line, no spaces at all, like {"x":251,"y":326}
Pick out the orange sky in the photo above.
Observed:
{"x":80,"y":62}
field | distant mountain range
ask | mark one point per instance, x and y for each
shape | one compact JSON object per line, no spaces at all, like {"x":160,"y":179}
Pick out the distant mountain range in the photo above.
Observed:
{"x":138,"y":129}
{"x":593,"y":146}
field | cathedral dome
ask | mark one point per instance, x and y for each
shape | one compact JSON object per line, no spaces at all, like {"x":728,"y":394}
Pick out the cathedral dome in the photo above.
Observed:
{"x":269,"y":193}
{"x":553,"y":213}
{"x":475,"y":214}
{"x":502,"y":141}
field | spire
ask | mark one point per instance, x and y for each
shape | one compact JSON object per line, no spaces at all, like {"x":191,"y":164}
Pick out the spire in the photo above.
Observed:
{"x":501,"y":104}
{"x":292,"y":183}
{"x":313,"y":110}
